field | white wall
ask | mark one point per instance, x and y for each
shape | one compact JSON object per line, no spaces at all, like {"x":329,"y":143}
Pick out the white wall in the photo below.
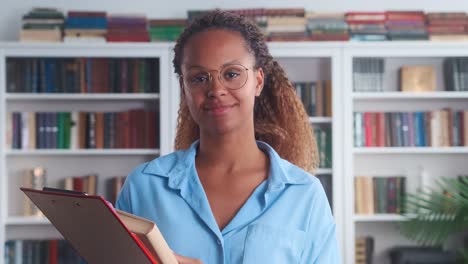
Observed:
{"x":12,"y":10}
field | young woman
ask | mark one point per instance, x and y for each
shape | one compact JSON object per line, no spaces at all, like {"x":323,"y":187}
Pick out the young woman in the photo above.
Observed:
{"x":238,"y":190}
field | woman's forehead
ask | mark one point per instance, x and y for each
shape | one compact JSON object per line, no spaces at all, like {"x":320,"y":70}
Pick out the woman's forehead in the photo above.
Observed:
{"x":215,"y":48}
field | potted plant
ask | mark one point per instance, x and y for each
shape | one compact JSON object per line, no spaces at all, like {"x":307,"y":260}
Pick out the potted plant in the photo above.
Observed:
{"x":436,"y":214}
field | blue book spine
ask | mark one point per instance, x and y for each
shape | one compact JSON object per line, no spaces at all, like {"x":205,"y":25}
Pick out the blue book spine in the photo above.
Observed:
{"x":86,"y":23}
{"x":422,"y":130}
{"x":405,"y":129}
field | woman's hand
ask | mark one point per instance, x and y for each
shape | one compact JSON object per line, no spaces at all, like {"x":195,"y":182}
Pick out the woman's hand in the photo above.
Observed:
{"x":185,"y":260}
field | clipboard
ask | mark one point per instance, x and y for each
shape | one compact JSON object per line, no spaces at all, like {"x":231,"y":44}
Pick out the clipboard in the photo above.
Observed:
{"x":91,"y":226}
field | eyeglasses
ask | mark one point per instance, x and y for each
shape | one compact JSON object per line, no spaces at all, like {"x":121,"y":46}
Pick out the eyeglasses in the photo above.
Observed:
{"x":231,"y":76}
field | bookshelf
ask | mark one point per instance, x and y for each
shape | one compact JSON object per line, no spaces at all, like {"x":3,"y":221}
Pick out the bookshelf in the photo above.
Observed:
{"x":420,"y":165}
{"x":304,"y":62}
{"x":63,"y":163}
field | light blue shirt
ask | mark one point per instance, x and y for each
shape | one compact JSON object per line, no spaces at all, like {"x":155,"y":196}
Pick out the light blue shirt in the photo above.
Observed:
{"x":287,"y":219}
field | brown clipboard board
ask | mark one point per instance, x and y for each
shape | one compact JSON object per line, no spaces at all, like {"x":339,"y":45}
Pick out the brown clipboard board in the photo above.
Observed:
{"x":91,"y":226}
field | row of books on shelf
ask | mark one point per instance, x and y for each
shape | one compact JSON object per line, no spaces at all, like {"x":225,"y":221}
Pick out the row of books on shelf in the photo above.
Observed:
{"x":323,"y":137}
{"x":316,"y":97}
{"x":51,"y":24}
{"x":379,"y":195}
{"x":281,"y":24}
{"x":368,"y":75}
{"x":135,"y":128}
{"x":82,"y":75}
{"x":36,"y":178}
{"x":40,"y":251}
{"x":438,"y":128}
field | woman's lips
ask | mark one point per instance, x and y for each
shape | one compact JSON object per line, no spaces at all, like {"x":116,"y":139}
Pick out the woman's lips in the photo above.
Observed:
{"x":218,"y":109}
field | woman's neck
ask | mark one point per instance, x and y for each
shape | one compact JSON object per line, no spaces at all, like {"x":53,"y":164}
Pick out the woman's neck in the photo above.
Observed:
{"x":229,"y":152}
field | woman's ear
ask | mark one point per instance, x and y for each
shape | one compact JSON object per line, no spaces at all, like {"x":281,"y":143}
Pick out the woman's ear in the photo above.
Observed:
{"x":260,"y":78}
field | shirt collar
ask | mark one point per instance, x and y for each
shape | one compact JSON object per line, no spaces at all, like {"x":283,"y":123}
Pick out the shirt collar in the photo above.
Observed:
{"x":281,"y":172}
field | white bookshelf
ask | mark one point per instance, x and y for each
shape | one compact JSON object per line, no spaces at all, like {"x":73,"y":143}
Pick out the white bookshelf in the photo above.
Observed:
{"x":378,"y":218}
{"x":62,"y":163}
{"x":396,"y":161}
{"x":410,"y":150}
{"x":27,"y":220}
{"x":320,"y":120}
{"x":407,"y":95}
{"x":303,"y":62}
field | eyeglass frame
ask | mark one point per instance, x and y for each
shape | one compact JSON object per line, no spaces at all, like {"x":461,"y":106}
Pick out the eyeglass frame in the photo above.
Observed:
{"x":210,"y":76}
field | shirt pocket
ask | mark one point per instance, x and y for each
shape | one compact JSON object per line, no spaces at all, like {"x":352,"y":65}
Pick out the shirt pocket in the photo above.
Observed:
{"x":267,"y":244}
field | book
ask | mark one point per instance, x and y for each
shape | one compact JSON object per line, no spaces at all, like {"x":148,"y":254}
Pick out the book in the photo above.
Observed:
{"x":150,"y":235}
{"x":35,"y":179}
{"x":417,"y":78}
{"x":102,"y":236}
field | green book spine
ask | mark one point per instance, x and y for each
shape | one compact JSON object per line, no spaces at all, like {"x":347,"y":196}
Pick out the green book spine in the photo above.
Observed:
{"x":67,"y":130}
{"x":328,"y":148}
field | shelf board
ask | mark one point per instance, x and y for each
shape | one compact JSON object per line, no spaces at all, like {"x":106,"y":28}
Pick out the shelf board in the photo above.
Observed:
{"x":323,"y":171}
{"x":78,"y":96}
{"x":82,"y":152}
{"x":411,"y":150}
{"x":27,"y":220}
{"x":379,"y":218}
{"x":409,"y":95}
{"x":320,"y":119}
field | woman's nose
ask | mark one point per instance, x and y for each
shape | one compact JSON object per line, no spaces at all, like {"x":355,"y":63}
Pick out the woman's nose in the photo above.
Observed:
{"x":216,"y":87}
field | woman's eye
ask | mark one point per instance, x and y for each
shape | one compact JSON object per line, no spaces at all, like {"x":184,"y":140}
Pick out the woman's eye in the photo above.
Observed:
{"x":199,"y":79}
{"x":231,"y":75}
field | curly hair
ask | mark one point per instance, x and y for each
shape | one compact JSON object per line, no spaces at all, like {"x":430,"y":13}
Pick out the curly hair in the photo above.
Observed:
{"x":279,"y":115}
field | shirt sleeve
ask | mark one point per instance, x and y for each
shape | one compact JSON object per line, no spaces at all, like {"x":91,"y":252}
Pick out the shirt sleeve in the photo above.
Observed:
{"x":321,"y":245}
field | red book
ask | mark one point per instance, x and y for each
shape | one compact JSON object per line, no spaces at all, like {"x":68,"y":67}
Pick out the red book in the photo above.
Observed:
{"x":368,"y":129}
{"x":78,"y":184}
{"x":53,"y":251}
{"x":152,"y":125}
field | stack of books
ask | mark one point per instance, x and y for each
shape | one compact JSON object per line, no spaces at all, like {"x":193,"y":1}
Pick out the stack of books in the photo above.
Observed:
{"x":85,"y":27}
{"x":367,"y":26}
{"x":327,"y":26}
{"x":166,"y":29}
{"x":447,"y":26}
{"x":286,"y":24}
{"x":257,"y":15}
{"x":406,"y":25}
{"x":127,"y":28}
{"x":42,"y":25}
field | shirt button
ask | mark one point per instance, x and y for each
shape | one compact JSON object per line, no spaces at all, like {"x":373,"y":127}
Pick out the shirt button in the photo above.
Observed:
{"x":218,"y":241}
